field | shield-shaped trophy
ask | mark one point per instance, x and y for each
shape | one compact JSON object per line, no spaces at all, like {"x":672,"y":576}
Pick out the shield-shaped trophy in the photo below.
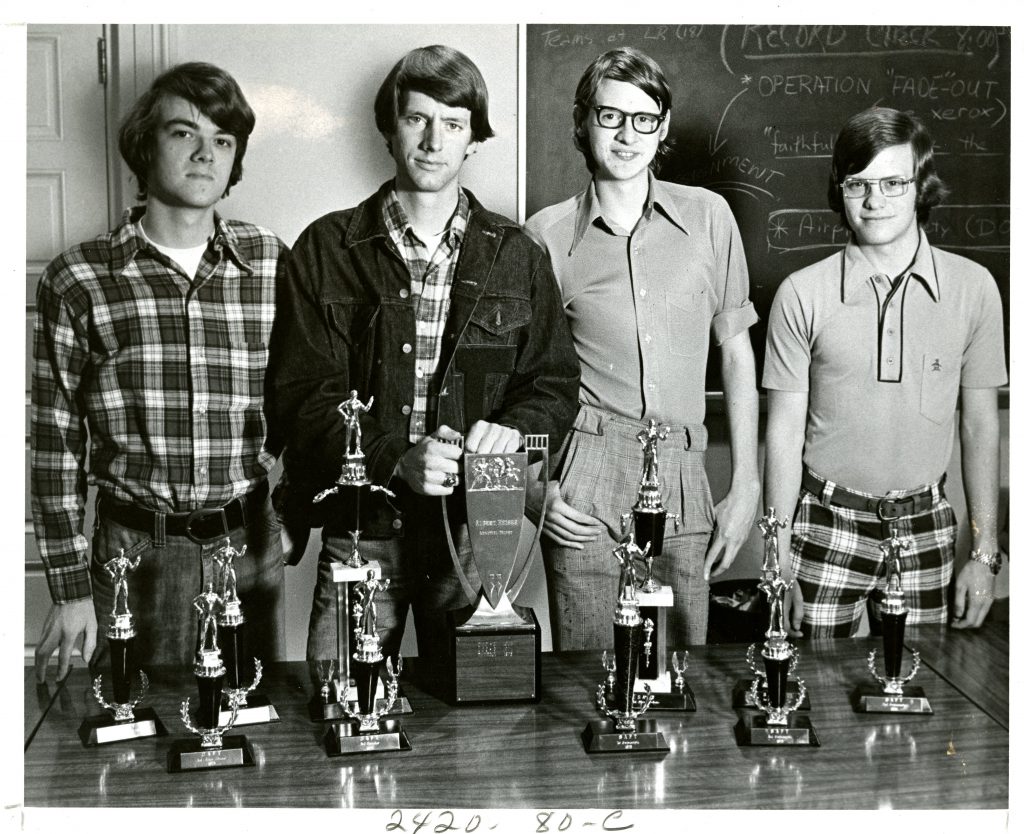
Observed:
{"x":495,"y":650}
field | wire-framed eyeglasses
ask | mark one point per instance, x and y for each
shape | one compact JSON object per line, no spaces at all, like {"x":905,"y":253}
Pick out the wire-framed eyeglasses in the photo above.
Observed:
{"x":612,"y":118}
{"x":856,"y":187}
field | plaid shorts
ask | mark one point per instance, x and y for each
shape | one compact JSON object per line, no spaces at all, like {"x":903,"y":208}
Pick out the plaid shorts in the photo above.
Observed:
{"x":838,"y":562}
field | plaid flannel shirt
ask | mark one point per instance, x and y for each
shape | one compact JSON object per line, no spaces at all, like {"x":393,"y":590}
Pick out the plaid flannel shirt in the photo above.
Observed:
{"x":431,"y":286}
{"x":157,"y":378}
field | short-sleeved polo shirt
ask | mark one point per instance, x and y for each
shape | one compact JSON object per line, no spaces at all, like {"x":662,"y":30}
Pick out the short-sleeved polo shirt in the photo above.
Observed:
{"x":882,"y":369}
{"x":644,"y":303}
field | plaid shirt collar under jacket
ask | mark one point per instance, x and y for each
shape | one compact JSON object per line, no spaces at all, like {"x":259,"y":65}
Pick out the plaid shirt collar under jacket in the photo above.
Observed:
{"x":157,"y":378}
{"x":431,"y":284}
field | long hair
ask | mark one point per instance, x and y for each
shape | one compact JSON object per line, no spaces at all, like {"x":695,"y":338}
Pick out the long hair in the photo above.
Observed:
{"x":873,"y":130}
{"x":622,"y":64}
{"x":213,"y":92}
{"x":444,"y":74}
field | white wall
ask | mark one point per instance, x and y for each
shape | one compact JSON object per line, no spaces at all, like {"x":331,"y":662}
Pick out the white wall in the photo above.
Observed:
{"x":315,"y":148}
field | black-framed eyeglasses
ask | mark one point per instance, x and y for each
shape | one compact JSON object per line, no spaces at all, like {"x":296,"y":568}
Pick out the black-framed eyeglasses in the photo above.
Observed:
{"x":612,"y":118}
{"x":856,"y":188}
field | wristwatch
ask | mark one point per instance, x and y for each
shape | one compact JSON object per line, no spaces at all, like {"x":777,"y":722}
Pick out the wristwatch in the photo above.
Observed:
{"x":993,"y":561}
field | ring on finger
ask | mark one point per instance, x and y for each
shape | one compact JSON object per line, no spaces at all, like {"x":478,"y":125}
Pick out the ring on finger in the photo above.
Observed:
{"x":450,"y":481}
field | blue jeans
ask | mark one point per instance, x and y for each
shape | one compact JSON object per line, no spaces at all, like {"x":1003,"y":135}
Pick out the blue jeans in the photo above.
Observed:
{"x":600,"y":476}
{"x":171,"y":574}
{"x":422,"y":578}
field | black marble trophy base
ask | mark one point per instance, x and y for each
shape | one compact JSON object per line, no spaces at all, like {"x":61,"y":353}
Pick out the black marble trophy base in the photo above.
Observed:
{"x":344,"y":739}
{"x":741,"y":695}
{"x":755,"y":731}
{"x":491,"y":663}
{"x":103,"y":729}
{"x":873,"y":698}
{"x":189,"y":754}
{"x":257,"y":710}
{"x":600,"y":736}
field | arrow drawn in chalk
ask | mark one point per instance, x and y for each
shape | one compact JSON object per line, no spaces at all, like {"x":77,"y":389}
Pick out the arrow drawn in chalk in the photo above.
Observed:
{"x":714,"y":146}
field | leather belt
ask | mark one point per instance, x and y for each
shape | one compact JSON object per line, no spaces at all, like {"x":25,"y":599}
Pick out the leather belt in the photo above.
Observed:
{"x":201,"y":526}
{"x":887,"y":509}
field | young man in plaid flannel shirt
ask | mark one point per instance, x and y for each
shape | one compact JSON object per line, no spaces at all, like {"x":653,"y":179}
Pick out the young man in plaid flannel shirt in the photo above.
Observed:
{"x":150,"y":351}
{"x":867,"y":353}
{"x":393,"y":299}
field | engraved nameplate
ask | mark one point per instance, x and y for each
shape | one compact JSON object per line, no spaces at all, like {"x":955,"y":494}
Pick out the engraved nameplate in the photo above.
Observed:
{"x":755,"y":731}
{"x":103,"y":729}
{"x":874,"y":699}
{"x":189,"y":755}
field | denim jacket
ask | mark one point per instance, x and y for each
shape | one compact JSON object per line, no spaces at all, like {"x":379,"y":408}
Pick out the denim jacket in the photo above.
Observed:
{"x":346,"y":320}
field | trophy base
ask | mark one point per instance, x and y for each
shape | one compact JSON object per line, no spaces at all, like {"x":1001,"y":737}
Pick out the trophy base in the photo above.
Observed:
{"x":344,"y":738}
{"x":741,"y":695}
{"x":493,"y":661}
{"x":666,"y":696}
{"x":257,"y":710}
{"x":332,"y":711}
{"x":103,"y":729}
{"x":755,"y":731}
{"x":189,"y":754}
{"x":868,"y":698}
{"x":600,"y":736}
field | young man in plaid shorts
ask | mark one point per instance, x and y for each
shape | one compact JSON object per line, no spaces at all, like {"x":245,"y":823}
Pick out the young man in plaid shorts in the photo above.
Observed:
{"x":401,"y":299}
{"x":867,"y":352}
{"x":150,"y":349}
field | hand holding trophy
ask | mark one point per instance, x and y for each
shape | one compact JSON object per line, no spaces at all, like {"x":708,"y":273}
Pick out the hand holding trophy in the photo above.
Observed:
{"x":211,"y":750}
{"x":777,"y":721}
{"x":890,"y":694}
{"x":125,"y":722}
{"x":365,"y":730}
{"x":623,"y":730}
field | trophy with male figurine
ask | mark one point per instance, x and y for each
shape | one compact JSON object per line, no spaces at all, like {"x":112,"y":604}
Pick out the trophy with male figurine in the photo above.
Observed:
{"x":647,"y":521}
{"x":623,"y":729}
{"x":336,"y":685}
{"x":890,"y":693}
{"x":365,"y":730}
{"x":777,"y":721}
{"x":253,"y":707}
{"x":211,"y":749}
{"x":123,"y":721}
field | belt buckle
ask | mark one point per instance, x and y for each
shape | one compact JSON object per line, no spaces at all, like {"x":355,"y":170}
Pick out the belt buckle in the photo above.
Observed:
{"x":889,"y":509}
{"x":199,"y":515}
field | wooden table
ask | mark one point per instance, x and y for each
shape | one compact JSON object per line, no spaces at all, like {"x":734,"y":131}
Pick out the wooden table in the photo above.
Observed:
{"x":531,"y":756}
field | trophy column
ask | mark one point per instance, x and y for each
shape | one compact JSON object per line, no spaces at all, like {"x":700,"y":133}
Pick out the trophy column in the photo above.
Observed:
{"x":253,"y":707}
{"x":623,"y":730}
{"x":890,"y":694}
{"x":336,"y":682}
{"x":211,"y":749}
{"x":365,"y":730}
{"x":123,"y":721}
{"x":647,"y":520}
{"x":777,"y":721}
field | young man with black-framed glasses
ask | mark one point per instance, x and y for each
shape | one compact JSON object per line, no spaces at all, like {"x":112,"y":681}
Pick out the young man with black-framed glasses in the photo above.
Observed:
{"x":650,"y":272}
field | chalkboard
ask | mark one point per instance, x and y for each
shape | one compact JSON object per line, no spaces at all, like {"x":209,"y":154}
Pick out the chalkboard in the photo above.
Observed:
{"x":756,"y":109}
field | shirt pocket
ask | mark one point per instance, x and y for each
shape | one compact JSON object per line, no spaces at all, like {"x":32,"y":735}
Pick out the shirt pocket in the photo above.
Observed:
{"x":496,"y":320}
{"x":687,"y":325}
{"x":940,"y":384}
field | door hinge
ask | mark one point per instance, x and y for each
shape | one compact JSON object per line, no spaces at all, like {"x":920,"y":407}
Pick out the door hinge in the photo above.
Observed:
{"x":101,"y":59}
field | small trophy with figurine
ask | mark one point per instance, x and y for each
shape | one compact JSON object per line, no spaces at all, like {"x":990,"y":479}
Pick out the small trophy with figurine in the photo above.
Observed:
{"x":125,"y":720}
{"x":776,"y":721}
{"x":328,"y":704}
{"x":365,"y":729}
{"x":647,"y":520}
{"x":211,"y":749}
{"x":623,"y":729}
{"x":890,"y":693}
{"x":253,"y":707}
